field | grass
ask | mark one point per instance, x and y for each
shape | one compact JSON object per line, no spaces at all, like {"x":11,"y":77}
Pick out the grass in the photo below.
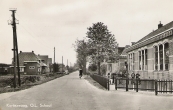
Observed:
{"x":28,"y":84}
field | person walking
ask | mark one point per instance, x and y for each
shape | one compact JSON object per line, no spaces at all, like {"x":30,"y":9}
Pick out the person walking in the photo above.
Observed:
{"x":80,"y":73}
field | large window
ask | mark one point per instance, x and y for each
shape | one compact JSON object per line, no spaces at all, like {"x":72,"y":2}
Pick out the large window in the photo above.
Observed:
{"x":156,"y":58}
{"x":146,"y":57}
{"x":131,"y":61}
{"x":140,"y":61}
{"x":162,"y":57}
{"x":143,"y":59}
{"x":166,"y":50}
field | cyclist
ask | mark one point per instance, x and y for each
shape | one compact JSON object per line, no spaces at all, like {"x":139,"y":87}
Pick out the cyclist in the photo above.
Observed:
{"x":80,"y":73}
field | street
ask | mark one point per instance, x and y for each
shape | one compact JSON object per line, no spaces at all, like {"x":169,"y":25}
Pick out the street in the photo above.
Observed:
{"x":72,"y":93}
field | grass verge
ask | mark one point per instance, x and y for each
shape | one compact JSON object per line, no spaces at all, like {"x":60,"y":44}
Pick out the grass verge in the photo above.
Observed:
{"x":29,"y":84}
{"x":93,"y":82}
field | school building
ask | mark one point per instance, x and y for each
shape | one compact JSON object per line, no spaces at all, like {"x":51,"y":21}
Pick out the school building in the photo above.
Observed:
{"x":152,"y":56}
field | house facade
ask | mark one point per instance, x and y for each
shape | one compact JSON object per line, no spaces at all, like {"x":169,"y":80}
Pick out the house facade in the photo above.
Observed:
{"x":30,"y":63}
{"x":46,"y":60}
{"x":118,"y":65}
{"x":152,"y":56}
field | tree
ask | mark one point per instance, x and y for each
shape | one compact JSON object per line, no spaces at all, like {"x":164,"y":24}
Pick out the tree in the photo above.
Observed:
{"x":82,"y":53}
{"x":102,"y":43}
{"x":55,"y":67}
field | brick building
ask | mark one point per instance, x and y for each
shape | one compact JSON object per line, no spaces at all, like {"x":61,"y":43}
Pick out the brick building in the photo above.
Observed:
{"x":30,"y":63}
{"x":152,"y":56}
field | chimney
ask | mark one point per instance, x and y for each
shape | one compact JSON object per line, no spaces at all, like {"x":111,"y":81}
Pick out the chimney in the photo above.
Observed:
{"x":133,"y":43}
{"x":160,"y":25}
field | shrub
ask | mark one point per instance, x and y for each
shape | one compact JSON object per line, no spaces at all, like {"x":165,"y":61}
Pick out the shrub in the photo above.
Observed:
{"x":92,"y":67}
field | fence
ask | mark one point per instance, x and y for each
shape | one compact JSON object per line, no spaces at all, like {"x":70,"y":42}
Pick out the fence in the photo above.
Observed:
{"x":163,"y":86}
{"x":144,"y":85}
{"x":101,"y":80}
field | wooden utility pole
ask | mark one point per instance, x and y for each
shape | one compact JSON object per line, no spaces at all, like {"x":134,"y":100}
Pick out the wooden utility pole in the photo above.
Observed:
{"x":62,"y":63}
{"x":67,"y":62}
{"x":54,"y":55}
{"x":15,"y":49}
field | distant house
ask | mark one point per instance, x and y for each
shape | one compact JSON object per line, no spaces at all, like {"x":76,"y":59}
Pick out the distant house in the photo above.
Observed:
{"x":4,"y":68}
{"x":46,"y":60}
{"x":50,"y":65}
{"x":30,"y":63}
{"x":116,"y":65}
{"x":62,"y":67}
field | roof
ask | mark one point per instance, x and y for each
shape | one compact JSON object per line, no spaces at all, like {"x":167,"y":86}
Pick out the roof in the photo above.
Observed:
{"x":124,"y":52}
{"x":42,"y":64}
{"x":27,"y":56}
{"x":43,"y":57}
{"x":163,"y":28}
{"x":151,"y":37}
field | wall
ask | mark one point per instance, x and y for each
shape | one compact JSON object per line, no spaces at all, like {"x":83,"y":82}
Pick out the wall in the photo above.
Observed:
{"x":31,"y":71}
{"x":150,"y":73}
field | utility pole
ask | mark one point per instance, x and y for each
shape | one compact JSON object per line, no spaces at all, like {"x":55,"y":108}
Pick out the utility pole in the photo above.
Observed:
{"x":67,"y":62}
{"x":54,"y":55}
{"x":62,"y":63}
{"x":15,"y":48}
{"x":54,"y":65}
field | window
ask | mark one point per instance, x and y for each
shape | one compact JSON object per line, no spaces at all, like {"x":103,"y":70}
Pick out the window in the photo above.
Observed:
{"x":31,"y":67}
{"x":143,"y":59}
{"x":140,"y":62}
{"x":146,"y":57}
{"x":156,"y":58}
{"x":21,"y":69}
{"x":131,"y":61}
{"x":161,"y":56}
{"x":166,"y":51}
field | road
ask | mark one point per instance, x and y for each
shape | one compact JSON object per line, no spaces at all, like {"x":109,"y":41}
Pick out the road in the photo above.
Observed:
{"x":71,"y":93}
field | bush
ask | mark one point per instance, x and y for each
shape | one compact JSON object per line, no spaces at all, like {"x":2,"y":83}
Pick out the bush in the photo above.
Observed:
{"x":92,"y":67}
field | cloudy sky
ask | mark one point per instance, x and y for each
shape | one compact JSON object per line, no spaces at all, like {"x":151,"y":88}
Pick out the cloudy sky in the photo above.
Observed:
{"x":45,"y":24}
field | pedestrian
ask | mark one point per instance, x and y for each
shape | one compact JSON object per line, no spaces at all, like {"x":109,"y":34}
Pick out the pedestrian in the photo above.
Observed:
{"x":80,"y":73}
{"x":138,"y":78}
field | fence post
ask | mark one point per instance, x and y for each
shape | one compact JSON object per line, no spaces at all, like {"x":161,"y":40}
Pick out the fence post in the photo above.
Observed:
{"x":115,"y":83}
{"x":127,"y":84}
{"x":137,"y":85}
{"x":156,"y":87}
{"x":108,"y":84}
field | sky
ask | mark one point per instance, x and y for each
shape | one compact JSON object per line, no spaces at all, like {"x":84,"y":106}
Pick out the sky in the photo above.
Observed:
{"x":45,"y":24}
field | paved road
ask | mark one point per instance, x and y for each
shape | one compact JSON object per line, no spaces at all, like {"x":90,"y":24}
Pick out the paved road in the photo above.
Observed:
{"x":71,"y":93}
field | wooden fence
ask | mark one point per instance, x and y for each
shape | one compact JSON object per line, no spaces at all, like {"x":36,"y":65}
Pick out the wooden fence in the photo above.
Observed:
{"x":104,"y":81}
{"x":144,"y":85}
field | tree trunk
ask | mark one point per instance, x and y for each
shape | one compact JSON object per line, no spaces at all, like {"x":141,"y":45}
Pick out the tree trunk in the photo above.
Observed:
{"x":84,"y":66}
{"x":99,"y":68}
